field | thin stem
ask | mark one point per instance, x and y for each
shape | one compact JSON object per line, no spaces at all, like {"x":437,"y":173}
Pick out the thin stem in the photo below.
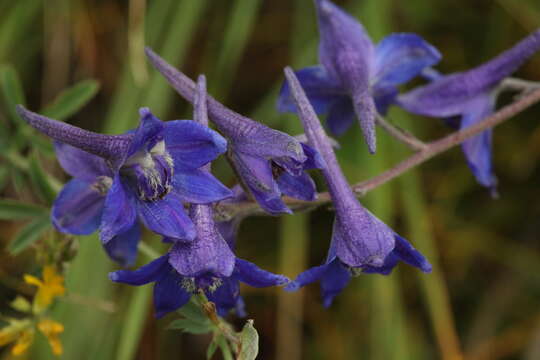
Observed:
{"x":400,"y":134}
{"x":431,"y":150}
{"x":515,"y":84}
{"x":209,"y":309}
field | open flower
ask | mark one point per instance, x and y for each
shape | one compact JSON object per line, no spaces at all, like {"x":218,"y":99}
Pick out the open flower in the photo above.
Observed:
{"x":360,"y":241}
{"x":471,"y":96}
{"x":145,"y":174}
{"x":268,"y":162}
{"x":21,"y":333}
{"x":50,"y":287}
{"x":207,"y":263}
{"x":356,"y":77}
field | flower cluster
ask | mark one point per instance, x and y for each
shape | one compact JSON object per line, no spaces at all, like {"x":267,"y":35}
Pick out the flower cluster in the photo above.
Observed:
{"x":158,"y":176}
{"x":21,"y":332}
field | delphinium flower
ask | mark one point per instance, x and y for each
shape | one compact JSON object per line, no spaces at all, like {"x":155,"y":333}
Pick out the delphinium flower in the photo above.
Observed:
{"x":145,"y":174}
{"x":268,"y":162}
{"x":206,"y":264}
{"x":471,"y":96}
{"x":360,"y":241}
{"x":355,"y":77}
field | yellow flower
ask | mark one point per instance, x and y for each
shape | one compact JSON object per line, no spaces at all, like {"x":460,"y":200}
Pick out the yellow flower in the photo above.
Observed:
{"x":51,"y":287}
{"x":21,"y":333}
{"x":51,"y":329}
{"x":26,"y":338}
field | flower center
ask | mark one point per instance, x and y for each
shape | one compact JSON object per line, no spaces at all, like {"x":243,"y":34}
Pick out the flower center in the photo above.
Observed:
{"x":150,"y":172}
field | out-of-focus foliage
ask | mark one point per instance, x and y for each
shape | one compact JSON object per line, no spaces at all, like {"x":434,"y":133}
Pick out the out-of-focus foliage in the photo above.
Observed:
{"x":483,"y":298}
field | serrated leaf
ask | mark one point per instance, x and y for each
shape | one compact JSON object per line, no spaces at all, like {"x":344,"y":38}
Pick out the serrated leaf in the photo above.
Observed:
{"x":71,"y":100}
{"x":212,"y":347}
{"x":190,"y":326}
{"x":249,"y":342}
{"x":43,"y":183}
{"x":193,"y":312}
{"x":12,"y":90}
{"x":29,"y":235}
{"x":21,"y":304}
{"x":16,"y":210}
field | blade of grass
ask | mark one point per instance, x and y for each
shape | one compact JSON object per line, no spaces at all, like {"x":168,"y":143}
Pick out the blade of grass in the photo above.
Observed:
{"x":23,"y":15}
{"x":240,"y":24}
{"x":387,"y":310}
{"x":434,"y":284}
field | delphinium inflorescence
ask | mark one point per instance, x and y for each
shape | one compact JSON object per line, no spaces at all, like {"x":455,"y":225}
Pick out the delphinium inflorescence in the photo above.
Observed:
{"x":158,"y":176}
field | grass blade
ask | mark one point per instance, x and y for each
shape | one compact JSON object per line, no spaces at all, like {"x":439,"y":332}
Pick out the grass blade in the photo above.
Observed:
{"x":71,"y":100}
{"x":29,"y":234}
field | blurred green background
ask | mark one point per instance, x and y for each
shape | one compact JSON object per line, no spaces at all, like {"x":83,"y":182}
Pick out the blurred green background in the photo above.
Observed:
{"x":481,"y":302}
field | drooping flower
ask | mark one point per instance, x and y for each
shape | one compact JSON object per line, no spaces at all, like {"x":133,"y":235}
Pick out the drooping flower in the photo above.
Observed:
{"x":360,"y":241}
{"x":471,"y":96}
{"x":268,"y":162}
{"x":207,"y":263}
{"x":50,"y":287}
{"x":356,"y":78}
{"x":145,"y":174}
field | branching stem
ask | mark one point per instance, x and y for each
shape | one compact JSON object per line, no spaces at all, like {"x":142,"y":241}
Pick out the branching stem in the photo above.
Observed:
{"x":430,"y":150}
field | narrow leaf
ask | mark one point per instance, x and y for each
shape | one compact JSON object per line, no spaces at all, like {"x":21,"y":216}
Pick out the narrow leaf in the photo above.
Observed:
{"x":29,"y":235}
{"x":16,"y":210}
{"x":44,"y":183}
{"x":190,"y":326}
{"x":12,"y":90}
{"x":249,"y":347}
{"x":193,"y":312}
{"x":212,"y":347}
{"x":71,"y":100}
{"x":225,"y":348}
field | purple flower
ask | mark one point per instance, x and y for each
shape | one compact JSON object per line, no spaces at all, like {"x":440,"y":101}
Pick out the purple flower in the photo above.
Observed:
{"x":360,"y":241}
{"x":356,"y":78}
{"x":145,"y":174}
{"x":471,"y":95}
{"x":268,"y":162}
{"x":207,"y":263}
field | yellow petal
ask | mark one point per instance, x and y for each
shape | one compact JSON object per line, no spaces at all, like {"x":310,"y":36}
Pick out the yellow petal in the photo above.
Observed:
{"x":48,"y":326}
{"x":32,"y":280}
{"x":56,"y":345}
{"x":7,"y":336}
{"x":23,"y":342}
{"x":51,"y":329}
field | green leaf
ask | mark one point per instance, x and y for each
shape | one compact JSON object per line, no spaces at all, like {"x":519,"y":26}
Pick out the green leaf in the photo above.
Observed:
{"x":190,"y":326}
{"x":21,"y":304}
{"x":193,"y":312}
{"x":4,"y":177}
{"x":29,"y":235}
{"x":44,"y":184}
{"x":12,"y":90}
{"x":249,"y":346}
{"x":71,"y":100}
{"x":212,"y":347}
{"x":16,"y":210}
{"x":225,"y":348}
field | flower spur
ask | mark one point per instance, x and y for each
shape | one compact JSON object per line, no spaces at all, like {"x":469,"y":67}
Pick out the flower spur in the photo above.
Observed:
{"x":268,"y":162}
{"x":205,"y":264}
{"x":360,"y":241}
{"x":140,"y":175}
{"x":469,"y":97}
{"x":357,"y":78}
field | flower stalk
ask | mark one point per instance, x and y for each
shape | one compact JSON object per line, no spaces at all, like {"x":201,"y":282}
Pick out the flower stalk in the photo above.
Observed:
{"x":431,"y":150}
